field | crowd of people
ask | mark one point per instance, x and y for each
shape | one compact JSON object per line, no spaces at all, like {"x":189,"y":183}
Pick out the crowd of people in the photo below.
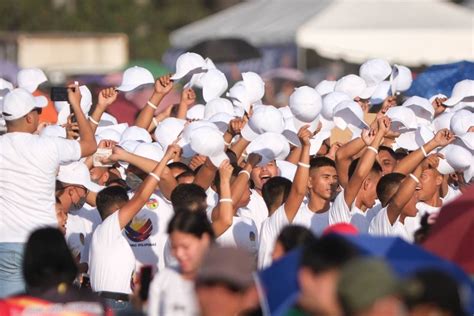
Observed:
{"x":175,"y":214}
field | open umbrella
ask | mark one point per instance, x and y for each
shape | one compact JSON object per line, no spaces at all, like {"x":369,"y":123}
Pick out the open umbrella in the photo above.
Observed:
{"x":441,"y":79}
{"x":226,"y":50}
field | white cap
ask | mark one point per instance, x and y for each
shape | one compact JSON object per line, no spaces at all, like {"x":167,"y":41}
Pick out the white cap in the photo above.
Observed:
{"x":136,"y":133}
{"x":5,"y":84}
{"x":439,"y":95}
{"x":469,"y":172}
{"x":381,"y":93}
{"x":461,"y":91}
{"x":413,"y":140}
{"x":134,"y":77}
{"x":218,"y":105}
{"x":442,"y":121}
{"x":305,"y":104}
{"x":254,"y":85}
{"x":168,"y":131}
{"x":422,"y":108}
{"x":349,"y":114}
{"x":403,"y":119}
{"x":221,"y":120}
{"x":117,"y":129}
{"x":239,"y":96}
{"x":196,"y":112}
{"x":109,"y":134}
{"x":463,"y":106}
{"x":401,"y":78}
{"x":287,"y":169}
{"x":271,"y":146}
{"x":265,"y":118}
{"x":188,"y":130}
{"x":30,"y":78}
{"x":209,"y":142}
{"x":325,"y":87}
{"x":458,"y":157}
{"x":461,"y":121}
{"x":214,"y":84}
{"x":77,"y":173}
{"x":374,"y":71}
{"x":330,"y":101}
{"x":19,"y":102}
{"x":151,"y":151}
{"x":466,"y":140}
{"x":188,"y":62}
{"x":317,"y":140}
{"x":54,"y":131}
{"x":354,"y":86}
{"x":107,"y":119}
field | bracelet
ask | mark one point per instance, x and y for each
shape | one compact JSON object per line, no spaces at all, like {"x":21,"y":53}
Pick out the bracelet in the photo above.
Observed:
{"x":227,"y":144}
{"x":225,"y":201}
{"x":414,"y":178}
{"x":154,"y":120}
{"x":246,"y":172}
{"x":93,"y":121}
{"x":423,"y":151}
{"x":373,"y":149}
{"x":157,"y":178}
{"x":304,"y":165}
{"x":154,"y":107}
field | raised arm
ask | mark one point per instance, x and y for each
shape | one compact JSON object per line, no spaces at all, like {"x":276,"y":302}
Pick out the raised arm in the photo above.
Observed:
{"x":188,"y":96}
{"x":346,"y":153}
{"x":403,"y":195}
{"x":240,"y":183}
{"x":205,"y":175}
{"x":105,"y":98}
{"x":223,"y":213}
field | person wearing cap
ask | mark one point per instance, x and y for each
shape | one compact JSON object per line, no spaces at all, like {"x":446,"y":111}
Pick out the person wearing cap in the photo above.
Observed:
{"x":29,"y":166}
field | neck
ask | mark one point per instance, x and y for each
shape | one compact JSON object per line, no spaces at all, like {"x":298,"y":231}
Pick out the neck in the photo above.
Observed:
{"x":434,"y":201}
{"x":358,"y":203}
{"x":317,"y":204}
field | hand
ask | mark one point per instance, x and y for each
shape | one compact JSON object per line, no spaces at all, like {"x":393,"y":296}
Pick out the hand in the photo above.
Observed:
{"x":304,"y":135}
{"x":72,"y":128}
{"x":106,"y":97}
{"x":173,"y":151}
{"x":438,"y":102}
{"x":236,"y":126}
{"x":383,"y":125}
{"x":118,"y":153}
{"x":444,"y":137}
{"x":368,"y":136}
{"x":163,"y":85}
{"x":188,"y":97}
{"x":332,"y":150}
{"x":105,"y":143}
{"x":253,"y":159}
{"x":74,"y":95}
{"x":431,"y":162}
{"x":225,"y":170}
{"x":197,"y":161}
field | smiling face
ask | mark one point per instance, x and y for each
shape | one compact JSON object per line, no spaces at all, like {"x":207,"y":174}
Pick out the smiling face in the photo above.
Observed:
{"x":188,"y":250}
{"x":430,"y":182}
{"x":260,"y":175}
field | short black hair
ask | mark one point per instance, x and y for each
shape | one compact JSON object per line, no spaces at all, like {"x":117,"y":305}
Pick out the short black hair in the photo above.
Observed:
{"x":318,"y":162}
{"x":180,"y":166}
{"x":109,"y":198}
{"x":294,"y":236}
{"x":352,"y":167}
{"x":274,"y":188}
{"x":217,"y":177}
{"x":188,"y":173}
{"x":47,"y":261}
{"x":194,"y":223}
{"x":188,"y":196}
{"x":387,"y":186}
{"x":389,"y":150}
{"x":329,"y":252}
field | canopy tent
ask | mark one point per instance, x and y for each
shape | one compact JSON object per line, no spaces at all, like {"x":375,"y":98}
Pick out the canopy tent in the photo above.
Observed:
{"x":411,"y":33}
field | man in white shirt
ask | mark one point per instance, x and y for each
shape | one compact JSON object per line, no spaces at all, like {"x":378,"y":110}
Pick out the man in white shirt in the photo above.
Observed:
{"x":28,"y":167}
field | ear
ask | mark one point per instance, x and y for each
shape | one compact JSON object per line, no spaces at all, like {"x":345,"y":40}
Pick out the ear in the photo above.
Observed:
{"x":439,"y":179}
{"x":29,"y":118}
{"x":310,"y":185}
{"x":366,"y":183}
{"x":105,"y":177}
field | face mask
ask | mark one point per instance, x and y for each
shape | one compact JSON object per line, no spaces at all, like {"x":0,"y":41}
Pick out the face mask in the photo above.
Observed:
{"x":79,"y":204}
{"x":133,"y":181}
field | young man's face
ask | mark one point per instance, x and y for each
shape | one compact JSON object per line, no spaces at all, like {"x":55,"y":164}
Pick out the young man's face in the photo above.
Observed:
{"x":260,"y":175}
{"x":368,"y":190}
{"x":430,"y":182}
{"x":386,"y":161}
{"x":323,"y":182}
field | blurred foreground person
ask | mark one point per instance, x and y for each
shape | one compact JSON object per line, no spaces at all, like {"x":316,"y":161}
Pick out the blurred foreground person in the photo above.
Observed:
{"x":291,"y":237}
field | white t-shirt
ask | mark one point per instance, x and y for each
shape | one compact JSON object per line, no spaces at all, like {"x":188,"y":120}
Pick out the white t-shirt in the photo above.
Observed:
{"x":171,"y":294}
{"x":28,"y":168}
{"x":380,"y":226}
{"x":256,"y":209}
{"x":75,"y":234}
{"x":243,"y":234}
{"x":212,"y":198}
{"x":111,"y":260}
{"x":424,"y":208}
{"x":146,"y":233}
{"x":452,"y":193}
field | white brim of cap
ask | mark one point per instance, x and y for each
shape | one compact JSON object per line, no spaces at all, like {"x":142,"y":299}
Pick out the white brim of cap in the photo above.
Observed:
{"x":292,"y":137}
{"x":313,"y":125}
{"x":217,"y":160}
{"x":318,"y":140}
{"x":188,"y":152}
{"x":41,"y":101}
{"x":93,"y":187}
{"x":248,"y":134}
{"x":469,"y":173}
{"x":183,"y":73}
{"x":452,"y":101}
{"x":130,"y":87}
{"x":368,"y":92}
{"x":444,"y":167}
{"x":407,"y":141}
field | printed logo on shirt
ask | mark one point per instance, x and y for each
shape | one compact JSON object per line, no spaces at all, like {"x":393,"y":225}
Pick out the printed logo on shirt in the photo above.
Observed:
{"x":152,"y":204}
{"x":139,"y":229}
{"x":252,"y":236}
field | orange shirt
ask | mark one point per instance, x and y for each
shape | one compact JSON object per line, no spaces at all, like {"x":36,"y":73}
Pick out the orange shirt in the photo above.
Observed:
{"x":49,"y":113}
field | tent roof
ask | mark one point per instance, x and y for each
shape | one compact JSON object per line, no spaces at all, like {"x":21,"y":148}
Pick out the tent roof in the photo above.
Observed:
{"x":260,"y":22}
{"x":403,"y":31}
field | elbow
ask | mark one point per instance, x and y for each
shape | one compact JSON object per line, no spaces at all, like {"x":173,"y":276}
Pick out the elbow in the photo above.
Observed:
{"x":88,"y":148}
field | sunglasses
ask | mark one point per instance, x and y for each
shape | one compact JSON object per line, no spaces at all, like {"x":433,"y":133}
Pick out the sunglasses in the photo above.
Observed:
{"x":38,"y":110}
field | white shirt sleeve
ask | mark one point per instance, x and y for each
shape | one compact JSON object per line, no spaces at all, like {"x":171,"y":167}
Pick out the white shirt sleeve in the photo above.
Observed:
{"x":271,"y":228}
{"x":109,"y":231}
{"x":68,"y":150}
{"x":340,"y":211}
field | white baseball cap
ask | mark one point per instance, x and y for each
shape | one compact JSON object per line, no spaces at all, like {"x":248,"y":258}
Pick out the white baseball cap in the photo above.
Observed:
{"x":19,"y":102}
{"x":442,"y":121}
{"x":107,"y":119}
{"x":466,"y":140}
{"x":77,"y":173}
{"x":218,"y":105}
{"x":118,"y":128}
{"x":271,"y":146}
{"x":265,"y":118}
{"x":53,"y":131}
{"x":188,"y":130}
{"x":109,"y":134}
{"x":413,"y":140}
{"x":374,"y":71}
{"x":469,"y":172}
{"x":317,"y":140}
{"x":439,"y":95}
{"x":422,"y":108}
{"x":461,"y":121}
{"x":5,"y":84}
{"x":196,"y":112}
{"x":168,"y":131}
{"x":381,"y":93}
{"x":400,"y":78}
{"x":30,"y":78}
{"x":254,"y":85}
{"x":136,"y":133}
{"x":305,"y":104}
{"x":239,"y":96}
{"x":209,"y":142}
{"x":151,"y":151}
{"x":221,"y":120}
{"x":458,"y":157}
{"x":134,"y":77}
{"x":462,"y":91}
{"x":188,"y":62}
{"x":349,"y":114}
{"x":287,"y":169}
{"x":325,"y":87}
{"x":403,"y":119}
{"x":214,"y":84}
{"x":354,"y":86}
{"x":330,"y":101}
{"x":463,"y":106}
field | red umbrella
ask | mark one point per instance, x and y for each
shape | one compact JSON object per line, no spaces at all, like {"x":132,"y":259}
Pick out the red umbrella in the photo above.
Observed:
{"x":452,"y":236}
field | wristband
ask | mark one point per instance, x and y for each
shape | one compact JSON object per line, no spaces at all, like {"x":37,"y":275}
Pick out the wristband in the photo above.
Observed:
{"x":246,"y":172}
{"x":93,"y":121}
{"x":157,"y":178}
{"x":373,"y":149}
{"x":225,"y":201}
{"x":227,"y":144}
{"x":304,"y":165}
{"x":155,"y":121}
{"x":414,"y":178}
{"x":154,"y":107}
{"x":423,"y":151}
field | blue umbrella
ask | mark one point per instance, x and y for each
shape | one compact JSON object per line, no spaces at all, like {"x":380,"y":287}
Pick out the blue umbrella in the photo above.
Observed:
{"x":440,"y":79}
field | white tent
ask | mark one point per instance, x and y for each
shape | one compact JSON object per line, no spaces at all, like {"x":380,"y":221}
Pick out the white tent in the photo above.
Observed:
{"x":409,"y":32}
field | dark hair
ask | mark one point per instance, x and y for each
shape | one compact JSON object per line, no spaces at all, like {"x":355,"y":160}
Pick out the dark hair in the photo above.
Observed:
{"x":389,"y":150}
{"x":352,"y":167}
{"x":217,"y":177}
{"x":194,"y":223}
{"x":319,"y":162}
{"x":387,"y":186}
{"x":329,"y":252}
{"x":294,"y":236}
{"x":274,"y":188}
{"x":422,"y":232}
{"x":179,"y":165}
{"x":188,"y":196}
{"x":188,"y":173}
{"x":109,"y":198}
{"x":47,"y":261}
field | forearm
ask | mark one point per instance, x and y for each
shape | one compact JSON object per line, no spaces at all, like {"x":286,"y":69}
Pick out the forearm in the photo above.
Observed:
{"x":410,"y":162}
{"x":240,"y":184}
{"x":87,"y":140}
{"x":205,"y":176}
{"x":302,"y":172}
{"x":223,"y":213}
{"x":344,"y":157}
{"x":239,"y":147}
{"x":294,"y":155}
{"x":96,"y":116}
{"x":168,"y":183}
{"x":182,"y":110}
{"x":147,"y":113}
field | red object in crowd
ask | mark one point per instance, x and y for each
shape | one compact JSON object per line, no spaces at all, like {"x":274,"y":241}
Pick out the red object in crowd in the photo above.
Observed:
{"x":341,"y":228}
